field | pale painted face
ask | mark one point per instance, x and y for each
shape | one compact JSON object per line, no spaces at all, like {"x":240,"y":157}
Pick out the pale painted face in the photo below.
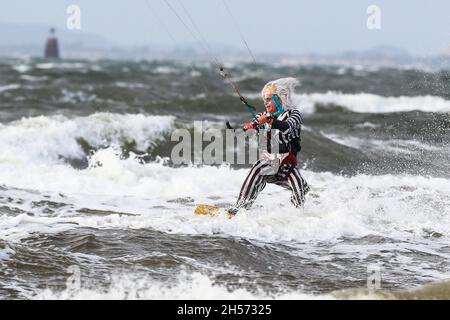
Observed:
{"x":270,"y":105}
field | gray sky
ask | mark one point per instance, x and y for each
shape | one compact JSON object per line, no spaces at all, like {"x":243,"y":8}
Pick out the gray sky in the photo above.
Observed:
{"x":293,"y":26}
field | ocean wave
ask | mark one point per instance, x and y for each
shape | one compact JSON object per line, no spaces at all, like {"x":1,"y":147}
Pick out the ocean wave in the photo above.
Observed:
{"x":371,"y":103}
{"x":9,"y":87}
{"x":22,"y":68}
{"x":197,"y":286}
{"x":401,"y":206}
{"x":394,"y":145}
{"x":166,"y":70}
{"x":366,"y":102}
{"x":44,"y":140}
{"x":61,"y":65}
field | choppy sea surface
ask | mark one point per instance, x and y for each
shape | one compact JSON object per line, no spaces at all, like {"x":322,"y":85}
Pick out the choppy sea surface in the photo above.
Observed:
{"x":92,"y":207}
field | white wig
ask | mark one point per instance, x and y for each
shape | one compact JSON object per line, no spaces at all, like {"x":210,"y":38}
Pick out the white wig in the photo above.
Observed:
{"x":283,"y":88}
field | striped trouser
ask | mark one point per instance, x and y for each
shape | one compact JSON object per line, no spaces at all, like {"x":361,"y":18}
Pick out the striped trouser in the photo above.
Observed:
{"x":257,"y":180}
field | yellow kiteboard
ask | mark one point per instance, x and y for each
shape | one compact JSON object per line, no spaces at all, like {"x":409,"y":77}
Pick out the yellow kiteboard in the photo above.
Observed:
{"x":212,"y":211}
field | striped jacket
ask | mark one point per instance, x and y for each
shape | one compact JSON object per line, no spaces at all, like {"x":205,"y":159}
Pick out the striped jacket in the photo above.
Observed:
{"x":288,"y":129}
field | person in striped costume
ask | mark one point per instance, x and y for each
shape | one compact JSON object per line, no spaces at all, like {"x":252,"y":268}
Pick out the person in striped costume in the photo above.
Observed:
{"x":283,"y":129}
